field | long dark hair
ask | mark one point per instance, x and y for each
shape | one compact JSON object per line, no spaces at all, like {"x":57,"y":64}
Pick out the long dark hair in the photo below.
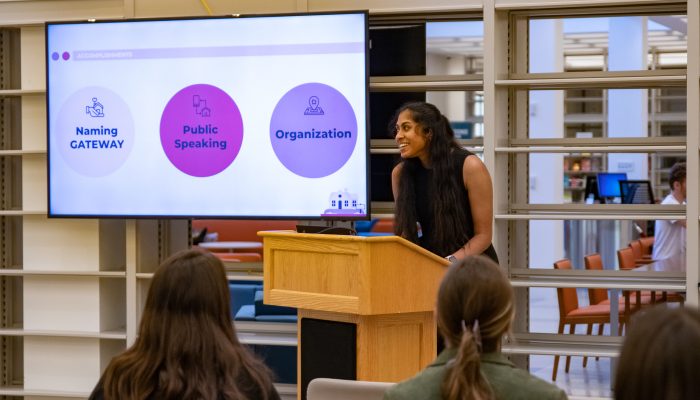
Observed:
{"x":660,"y":357}
{"x":449,"y":215}
{"x":186,"y":347}
{"x":474,"y":311}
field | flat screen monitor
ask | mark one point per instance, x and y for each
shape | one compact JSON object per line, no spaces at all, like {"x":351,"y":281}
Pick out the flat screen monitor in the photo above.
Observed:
{"x":591,"y":190}
{"x":636,"y":192}
{"x":237,"y":117}
{"x":608,"y":184}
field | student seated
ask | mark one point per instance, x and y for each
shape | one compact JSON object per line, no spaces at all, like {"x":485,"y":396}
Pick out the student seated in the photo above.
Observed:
{"x":474,"y":311}
{"x":186,"y":347}
{"x":660,"y":357}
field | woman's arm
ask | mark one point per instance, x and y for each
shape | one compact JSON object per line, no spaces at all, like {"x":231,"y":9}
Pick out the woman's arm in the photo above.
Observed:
{"x":395,"y":176}
{"x":477,"y":181}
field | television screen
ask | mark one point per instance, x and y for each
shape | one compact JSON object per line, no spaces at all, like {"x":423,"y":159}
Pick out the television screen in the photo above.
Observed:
{"x":609,"y":184}
{"x":250,"y":117}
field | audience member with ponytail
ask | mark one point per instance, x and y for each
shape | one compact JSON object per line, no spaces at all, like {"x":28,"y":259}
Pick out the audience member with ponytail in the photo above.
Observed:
{"x":474,"y":311}
{"x":443,"y":193}
{"x":187,"y":347}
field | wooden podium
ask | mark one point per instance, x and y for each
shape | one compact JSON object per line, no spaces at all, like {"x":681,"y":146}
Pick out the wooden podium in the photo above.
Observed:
{"x":384,"y":288}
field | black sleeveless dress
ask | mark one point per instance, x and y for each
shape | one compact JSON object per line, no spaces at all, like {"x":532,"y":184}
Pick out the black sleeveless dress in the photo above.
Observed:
{"x":424,"y":205}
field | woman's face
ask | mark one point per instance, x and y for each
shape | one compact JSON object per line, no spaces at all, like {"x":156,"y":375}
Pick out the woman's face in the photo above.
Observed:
{"x":412,"y":141}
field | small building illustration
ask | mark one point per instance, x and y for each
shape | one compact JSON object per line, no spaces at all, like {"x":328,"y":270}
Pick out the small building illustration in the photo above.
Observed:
{"x":344,"y":203}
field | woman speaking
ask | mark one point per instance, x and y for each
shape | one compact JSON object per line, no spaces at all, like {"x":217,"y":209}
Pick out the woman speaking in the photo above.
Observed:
{"x":443,"y":193}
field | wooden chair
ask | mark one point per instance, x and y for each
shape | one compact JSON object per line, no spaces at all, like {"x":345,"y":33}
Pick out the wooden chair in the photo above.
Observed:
{"x":571,"y":314}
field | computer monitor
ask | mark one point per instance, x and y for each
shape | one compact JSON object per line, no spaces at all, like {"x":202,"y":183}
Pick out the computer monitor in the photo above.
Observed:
{"x":636,"y":192}
{"x":608,"y":184}
{"x":591,"y":188}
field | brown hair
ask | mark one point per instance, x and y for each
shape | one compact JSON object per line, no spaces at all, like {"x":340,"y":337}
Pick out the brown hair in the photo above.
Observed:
{"x":187,"y":347}
{"x":677,"y":174}
{"x":474,"y":311}
{"x":660,"y":357}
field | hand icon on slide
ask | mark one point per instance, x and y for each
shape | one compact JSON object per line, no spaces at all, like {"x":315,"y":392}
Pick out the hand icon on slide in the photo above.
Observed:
{"x":96,"y":110}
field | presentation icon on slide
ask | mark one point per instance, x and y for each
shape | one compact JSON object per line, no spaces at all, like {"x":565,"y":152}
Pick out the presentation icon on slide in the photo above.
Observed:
{"x":201,"y":130}
{"x":314,"y":108}
{"x":96,"y":110}
{"x":200,"y":106}
{"x":343,"y":203}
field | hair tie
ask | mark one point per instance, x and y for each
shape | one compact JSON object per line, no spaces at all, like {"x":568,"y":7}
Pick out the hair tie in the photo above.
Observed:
{"x":476,"y":334}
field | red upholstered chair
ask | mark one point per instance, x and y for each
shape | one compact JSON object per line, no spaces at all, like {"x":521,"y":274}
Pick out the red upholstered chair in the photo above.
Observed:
{"x":385,"y":225}
{"x":639,"y":256}
{"x":600,"y":296}
{"x":571,"y":314}
{"x":647,"y":245}
{"x":626,"y":261}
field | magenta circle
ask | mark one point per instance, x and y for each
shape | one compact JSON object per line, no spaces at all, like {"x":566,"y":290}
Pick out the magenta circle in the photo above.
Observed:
{"x":66,"y":55}
{"x":313,"y":130}
{"x":201,"y":130}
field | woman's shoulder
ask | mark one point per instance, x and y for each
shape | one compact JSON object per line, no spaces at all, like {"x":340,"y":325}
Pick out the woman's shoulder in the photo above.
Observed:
{"x":424,"y":386}
{"x":510,"y":382}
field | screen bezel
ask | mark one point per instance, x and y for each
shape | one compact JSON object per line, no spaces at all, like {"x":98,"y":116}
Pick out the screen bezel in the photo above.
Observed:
{"x":368,"y":200}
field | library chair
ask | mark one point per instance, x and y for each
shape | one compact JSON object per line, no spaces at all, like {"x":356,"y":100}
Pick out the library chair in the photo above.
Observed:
{"x":647,"y":245}
{"x":340,"y":389}
{"x":597,"y":296}
{"x":626,"y":261}
{"x":570,"y":313}
{"x":639,"y":257}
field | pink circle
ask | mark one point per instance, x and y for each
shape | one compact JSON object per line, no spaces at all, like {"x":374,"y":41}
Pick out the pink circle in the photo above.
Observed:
{"x":66,"y":55}
{"x":201,"y":130}
{"x":94,"y":131}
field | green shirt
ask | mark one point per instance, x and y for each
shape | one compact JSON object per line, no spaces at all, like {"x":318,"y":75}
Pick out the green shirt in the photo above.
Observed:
{"x":506,"y":380}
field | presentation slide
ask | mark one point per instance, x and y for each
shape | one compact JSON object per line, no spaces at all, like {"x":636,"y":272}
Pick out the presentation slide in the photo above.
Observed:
{"x":251,"y":117}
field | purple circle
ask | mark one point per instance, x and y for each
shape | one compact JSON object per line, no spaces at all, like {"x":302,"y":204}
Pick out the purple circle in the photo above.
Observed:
{"x":201,"y":130}
{"x":313,"y":130}
{"x":54,"y":56}
{"x":94,"y":131}
{"x":66,"y":55}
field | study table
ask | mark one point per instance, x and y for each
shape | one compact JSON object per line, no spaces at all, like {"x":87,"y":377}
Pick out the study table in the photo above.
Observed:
{"x":231,"y":247}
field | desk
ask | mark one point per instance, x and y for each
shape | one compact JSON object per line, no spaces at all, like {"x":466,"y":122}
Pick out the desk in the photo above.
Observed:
{"x":673,"y":264}
{"x":231,"y":247}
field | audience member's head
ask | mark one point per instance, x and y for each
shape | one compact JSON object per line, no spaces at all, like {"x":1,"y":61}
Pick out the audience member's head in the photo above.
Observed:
{"x":187,"y":347}
{"x":474,"y":311}
{"x":676,"y":179}
{"x":660,"y":357}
